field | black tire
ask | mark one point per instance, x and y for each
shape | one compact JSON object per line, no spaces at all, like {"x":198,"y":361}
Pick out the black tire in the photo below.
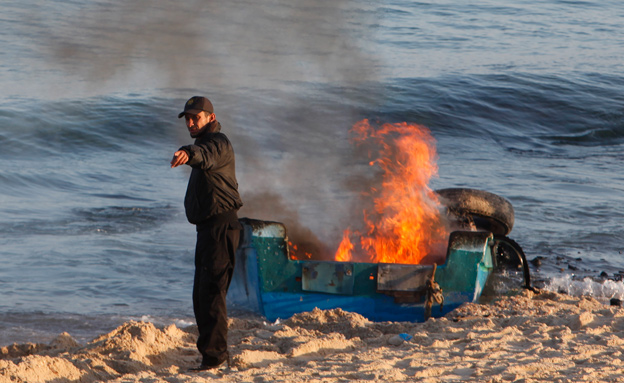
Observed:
{"x":487,"y":211}
{"x":508,"y":254}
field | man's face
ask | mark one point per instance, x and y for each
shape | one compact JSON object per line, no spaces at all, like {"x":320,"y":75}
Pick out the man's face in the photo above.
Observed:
{"x":196,"y":123}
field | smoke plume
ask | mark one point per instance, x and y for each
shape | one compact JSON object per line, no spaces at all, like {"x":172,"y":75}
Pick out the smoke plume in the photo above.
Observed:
{"x":198,"y":43}
{"x":293,"y":156}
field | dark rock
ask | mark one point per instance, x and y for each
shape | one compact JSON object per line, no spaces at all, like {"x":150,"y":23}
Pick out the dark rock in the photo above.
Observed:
{"x":616,"y":302}
{"x":537,"y":261}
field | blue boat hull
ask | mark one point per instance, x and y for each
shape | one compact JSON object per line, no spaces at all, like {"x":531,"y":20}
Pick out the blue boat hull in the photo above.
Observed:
{"x":266,"y":281}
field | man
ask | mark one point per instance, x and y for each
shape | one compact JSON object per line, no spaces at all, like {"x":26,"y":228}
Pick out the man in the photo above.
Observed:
{"x":211,"y":203}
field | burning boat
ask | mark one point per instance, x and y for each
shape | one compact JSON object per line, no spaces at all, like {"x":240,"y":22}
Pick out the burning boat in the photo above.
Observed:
{"x":268,"y":281}
{"x":416,"y":252}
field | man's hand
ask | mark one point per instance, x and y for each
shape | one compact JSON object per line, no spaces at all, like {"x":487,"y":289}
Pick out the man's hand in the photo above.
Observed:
{"x":179,"y":158}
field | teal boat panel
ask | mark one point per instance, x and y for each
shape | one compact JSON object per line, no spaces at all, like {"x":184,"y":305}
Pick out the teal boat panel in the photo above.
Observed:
{"x":327,"y":277}
{"x":468,"y":263}
{"x":399,"y":277}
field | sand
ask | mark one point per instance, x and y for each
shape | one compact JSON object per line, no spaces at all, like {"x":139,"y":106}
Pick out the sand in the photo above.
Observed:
{"x":531,"y":337}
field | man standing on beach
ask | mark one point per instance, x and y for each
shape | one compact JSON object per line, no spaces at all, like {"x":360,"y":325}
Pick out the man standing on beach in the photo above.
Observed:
{"x":211,"y":203}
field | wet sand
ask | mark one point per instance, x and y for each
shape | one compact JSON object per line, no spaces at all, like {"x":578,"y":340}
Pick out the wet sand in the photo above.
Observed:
{"x":545,"y":337}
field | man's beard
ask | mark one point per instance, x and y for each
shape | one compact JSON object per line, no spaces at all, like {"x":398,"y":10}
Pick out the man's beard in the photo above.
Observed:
{"x":199,"y":133}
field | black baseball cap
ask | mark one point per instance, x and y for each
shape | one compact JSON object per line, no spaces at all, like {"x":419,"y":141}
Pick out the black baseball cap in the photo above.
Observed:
{"x":197,"y":104}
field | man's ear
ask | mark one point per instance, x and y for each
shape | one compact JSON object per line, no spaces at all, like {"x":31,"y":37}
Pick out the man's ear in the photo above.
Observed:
{"x":212,"y":117}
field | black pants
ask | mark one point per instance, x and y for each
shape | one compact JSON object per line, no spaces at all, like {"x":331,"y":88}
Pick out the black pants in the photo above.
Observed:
{"x":214,"y":265}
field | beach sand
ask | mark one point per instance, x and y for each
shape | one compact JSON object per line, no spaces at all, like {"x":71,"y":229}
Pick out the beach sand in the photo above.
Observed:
{"x":531,"y":337}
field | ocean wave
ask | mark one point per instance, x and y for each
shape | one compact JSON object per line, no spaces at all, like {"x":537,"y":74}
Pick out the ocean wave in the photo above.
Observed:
{"x":109,"y":220}
{"x":519,"y":110}
{"x":79,"y":127}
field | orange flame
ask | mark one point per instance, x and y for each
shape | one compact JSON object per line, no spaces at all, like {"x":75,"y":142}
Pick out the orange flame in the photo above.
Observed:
{"x":343,"y":254}
{"x":405,"y":225}
{"x":295,"y":254}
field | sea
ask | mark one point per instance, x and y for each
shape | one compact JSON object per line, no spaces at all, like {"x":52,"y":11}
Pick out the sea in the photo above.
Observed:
{"x":524,"y":98}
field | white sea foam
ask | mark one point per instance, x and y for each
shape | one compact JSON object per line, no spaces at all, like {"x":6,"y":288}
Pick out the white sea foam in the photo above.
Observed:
{"x":602,"y":290}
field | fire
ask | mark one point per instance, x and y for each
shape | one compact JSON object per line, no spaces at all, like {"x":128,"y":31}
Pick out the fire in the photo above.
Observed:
{"x":404,"y":225}
{"x":343,"y":254}
{"x":295,"y":252}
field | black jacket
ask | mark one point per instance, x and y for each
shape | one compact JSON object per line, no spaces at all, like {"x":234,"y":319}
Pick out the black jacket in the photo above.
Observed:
{"x":212,"y":191}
